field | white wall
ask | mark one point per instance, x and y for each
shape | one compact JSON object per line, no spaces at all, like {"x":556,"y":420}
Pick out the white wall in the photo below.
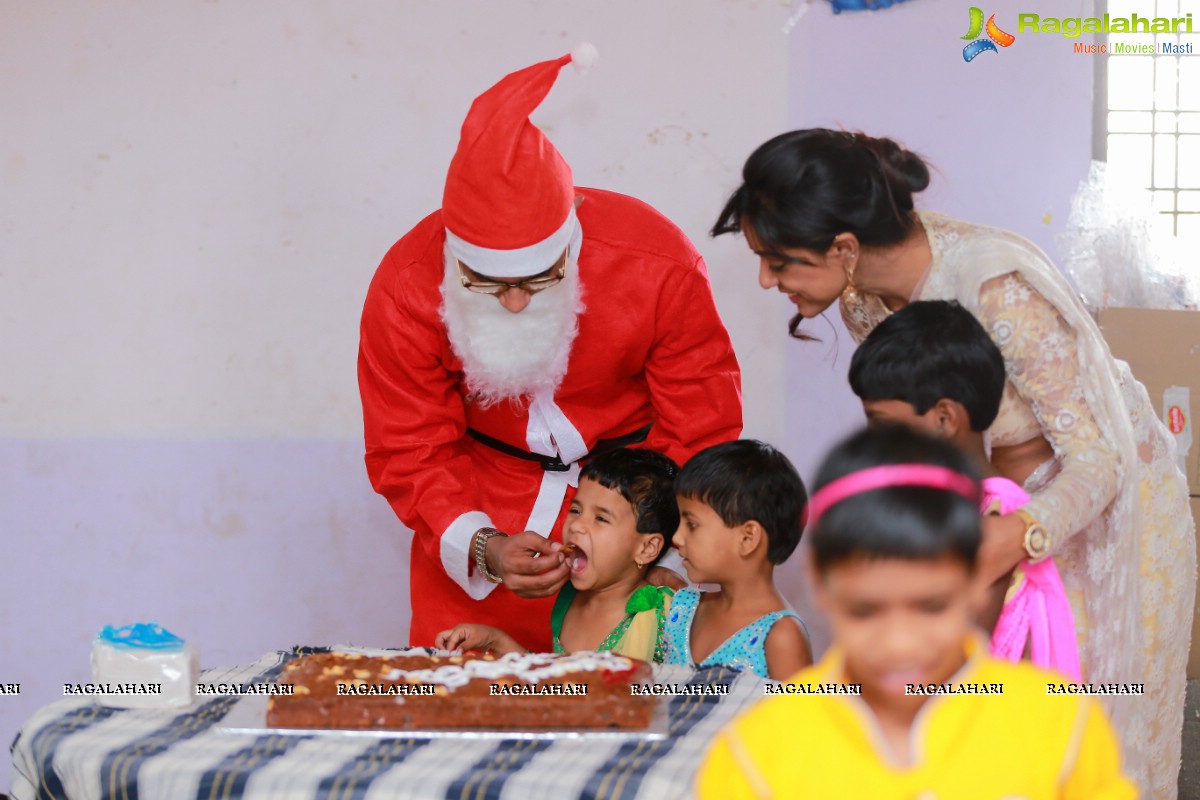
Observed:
{"x":197,"y":194}
{"x":193,"y":198}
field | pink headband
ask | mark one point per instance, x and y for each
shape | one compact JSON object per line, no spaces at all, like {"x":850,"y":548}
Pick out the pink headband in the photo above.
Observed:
{"x":866,"y":480}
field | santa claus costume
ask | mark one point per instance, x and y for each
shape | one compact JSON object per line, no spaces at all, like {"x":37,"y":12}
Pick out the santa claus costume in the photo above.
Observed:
{"x":478,"y":417}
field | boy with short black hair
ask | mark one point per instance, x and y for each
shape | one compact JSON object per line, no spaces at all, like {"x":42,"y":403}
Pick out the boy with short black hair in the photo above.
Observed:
{"x":932,"y":367}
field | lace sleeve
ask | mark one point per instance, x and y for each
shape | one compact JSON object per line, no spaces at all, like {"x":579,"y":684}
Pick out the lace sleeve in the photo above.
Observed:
{"x":1040,"y":355}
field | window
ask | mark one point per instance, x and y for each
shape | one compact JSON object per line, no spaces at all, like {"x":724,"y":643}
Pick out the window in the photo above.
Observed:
{"x":1148,"y":121}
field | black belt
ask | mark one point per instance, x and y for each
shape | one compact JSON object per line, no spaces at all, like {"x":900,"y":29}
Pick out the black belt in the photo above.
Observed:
{"x":554,"y":463}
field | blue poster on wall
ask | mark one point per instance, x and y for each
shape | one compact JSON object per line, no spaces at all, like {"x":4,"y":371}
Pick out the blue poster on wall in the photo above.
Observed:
{"x":862,"y":5}
{"x":801,"y":8}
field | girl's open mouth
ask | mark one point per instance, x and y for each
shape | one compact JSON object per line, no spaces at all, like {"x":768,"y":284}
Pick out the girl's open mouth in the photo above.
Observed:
{"x":576,"y":559}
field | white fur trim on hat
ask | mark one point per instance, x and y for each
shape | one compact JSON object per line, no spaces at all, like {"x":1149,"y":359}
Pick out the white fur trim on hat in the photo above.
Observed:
{"x":520,"y":263}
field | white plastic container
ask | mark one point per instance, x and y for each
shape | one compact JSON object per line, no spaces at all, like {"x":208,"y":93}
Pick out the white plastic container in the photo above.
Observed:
{"x":143,"y":666}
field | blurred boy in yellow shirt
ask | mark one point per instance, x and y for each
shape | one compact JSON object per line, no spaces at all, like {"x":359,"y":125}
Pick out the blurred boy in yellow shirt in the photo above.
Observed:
{"x":907,"y":703}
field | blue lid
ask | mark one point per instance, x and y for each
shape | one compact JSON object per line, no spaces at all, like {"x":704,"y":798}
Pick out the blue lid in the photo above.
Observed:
{"x":141,"y":636}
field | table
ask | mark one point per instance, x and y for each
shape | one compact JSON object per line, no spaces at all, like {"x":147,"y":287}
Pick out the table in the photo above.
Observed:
{"x":76,"y":749}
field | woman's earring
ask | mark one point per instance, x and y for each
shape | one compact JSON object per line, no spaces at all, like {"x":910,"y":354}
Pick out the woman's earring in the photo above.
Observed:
{"x":850,"y":294}
{"x":639,"y":564}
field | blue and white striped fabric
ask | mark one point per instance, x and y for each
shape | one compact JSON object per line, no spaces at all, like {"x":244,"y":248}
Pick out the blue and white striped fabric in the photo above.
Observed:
{"x":76,"y":749}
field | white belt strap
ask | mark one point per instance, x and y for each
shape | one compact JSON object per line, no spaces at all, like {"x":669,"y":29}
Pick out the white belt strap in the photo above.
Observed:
{"x":550,"y":433}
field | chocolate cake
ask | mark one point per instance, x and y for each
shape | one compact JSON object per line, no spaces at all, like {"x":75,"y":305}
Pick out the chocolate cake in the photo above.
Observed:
{"x":532,"y":691}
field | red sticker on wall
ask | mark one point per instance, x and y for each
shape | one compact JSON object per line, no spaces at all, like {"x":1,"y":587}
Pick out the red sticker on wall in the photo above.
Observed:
{"x":1176,"y":419}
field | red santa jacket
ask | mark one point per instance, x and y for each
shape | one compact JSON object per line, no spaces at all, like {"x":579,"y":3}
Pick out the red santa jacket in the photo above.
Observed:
{"x":651,"y":349}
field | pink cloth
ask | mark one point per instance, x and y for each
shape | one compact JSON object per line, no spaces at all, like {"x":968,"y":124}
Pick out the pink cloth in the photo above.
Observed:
{"x":1039,"y":611}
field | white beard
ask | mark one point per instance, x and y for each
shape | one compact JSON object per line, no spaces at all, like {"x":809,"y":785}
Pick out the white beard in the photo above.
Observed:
{"x":509,"y":356}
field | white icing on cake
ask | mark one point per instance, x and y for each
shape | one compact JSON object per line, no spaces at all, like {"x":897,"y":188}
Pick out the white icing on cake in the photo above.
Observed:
{"x":527,"y":667}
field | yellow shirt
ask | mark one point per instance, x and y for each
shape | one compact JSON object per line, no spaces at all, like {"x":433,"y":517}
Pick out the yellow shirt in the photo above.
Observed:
{"x":1023,"y":743}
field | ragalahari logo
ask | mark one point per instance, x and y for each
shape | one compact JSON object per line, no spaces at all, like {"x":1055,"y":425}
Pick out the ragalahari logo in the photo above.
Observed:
{"x":994,"y":33}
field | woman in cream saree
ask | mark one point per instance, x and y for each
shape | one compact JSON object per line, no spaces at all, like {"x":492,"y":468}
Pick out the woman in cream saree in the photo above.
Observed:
{"x":830,"y":215}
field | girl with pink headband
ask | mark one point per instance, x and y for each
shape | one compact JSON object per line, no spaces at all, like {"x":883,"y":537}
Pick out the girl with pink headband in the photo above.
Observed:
{"x":907,"y":702}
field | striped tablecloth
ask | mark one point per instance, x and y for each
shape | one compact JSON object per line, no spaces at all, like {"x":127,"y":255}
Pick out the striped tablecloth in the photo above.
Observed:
{"x":76,"y":749}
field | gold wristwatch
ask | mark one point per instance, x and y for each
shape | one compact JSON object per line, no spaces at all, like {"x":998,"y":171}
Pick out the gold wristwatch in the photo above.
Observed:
{"x":479,"y":551}
{"x":1037,"y":541}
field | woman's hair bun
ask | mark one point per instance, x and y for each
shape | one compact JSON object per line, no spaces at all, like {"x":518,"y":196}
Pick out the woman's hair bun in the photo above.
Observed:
{"x":902,"y":166}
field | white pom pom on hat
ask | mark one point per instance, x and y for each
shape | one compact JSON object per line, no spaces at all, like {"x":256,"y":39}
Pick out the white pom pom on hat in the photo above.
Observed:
{"x":583,"y":56}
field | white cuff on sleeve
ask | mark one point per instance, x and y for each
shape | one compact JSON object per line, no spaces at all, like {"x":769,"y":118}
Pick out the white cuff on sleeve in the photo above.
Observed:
{"x":457,"y":556}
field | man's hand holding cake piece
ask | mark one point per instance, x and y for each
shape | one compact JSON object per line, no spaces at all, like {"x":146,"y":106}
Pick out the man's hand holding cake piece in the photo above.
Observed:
{"x":527,"y":563}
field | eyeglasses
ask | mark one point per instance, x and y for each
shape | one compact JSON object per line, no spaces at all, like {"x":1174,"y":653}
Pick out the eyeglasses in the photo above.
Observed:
{"x":531,"y":285}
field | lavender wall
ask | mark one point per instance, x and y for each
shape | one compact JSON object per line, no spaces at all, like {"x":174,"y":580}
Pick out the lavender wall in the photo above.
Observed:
{"x":1008,"y":135}
{"x":242,"y":546}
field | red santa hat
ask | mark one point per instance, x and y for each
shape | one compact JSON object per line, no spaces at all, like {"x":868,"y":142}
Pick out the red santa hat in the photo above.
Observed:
{"x":509,"y":201}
